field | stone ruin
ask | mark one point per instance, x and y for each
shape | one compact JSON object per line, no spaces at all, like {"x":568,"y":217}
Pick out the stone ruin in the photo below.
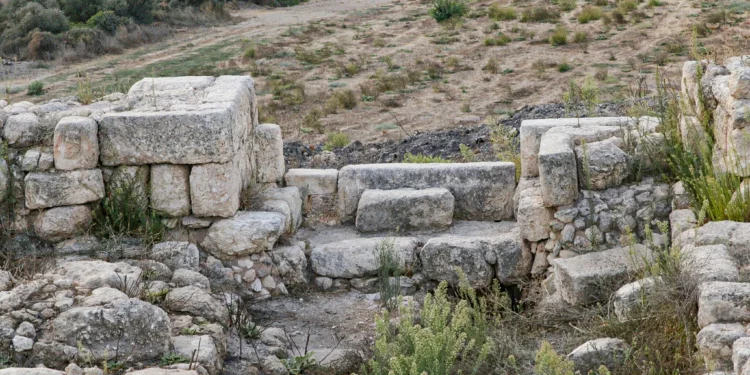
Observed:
{"x":193,"y":147}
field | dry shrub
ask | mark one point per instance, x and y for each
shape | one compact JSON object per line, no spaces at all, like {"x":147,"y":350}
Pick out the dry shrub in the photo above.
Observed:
{"x":42,"y":46}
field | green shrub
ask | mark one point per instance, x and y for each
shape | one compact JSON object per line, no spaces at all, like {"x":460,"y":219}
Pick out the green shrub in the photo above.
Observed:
{"x":336,"y":140}
{"x":618,"y":16}
{"x":499,"y":40}
{"x":106,"y":21}
{"x":35,"y":88}
{"x":389,"y":273}
{"x":423,"y":159}
{"x":498,"y":13}
{"x":445,"y":10}
{"x":42,"y":45}
{"x":548,"y":362}
{"x":580,"y":37}
{"x":125,"y":212}
{"x":448,"y":336}
{"x":559,"y":37}
{"x":539,"y":14}
{"x":80,"y":11}
{"x":627,"y":6}
{"x":566,"y":5}
{"x":564,"y":67}
{"x":590,"y":13}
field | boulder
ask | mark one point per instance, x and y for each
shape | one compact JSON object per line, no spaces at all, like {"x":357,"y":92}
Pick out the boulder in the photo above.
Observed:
{"x":442,"y":256}
{"x":601,"y":165}
{"x":176,"y":255}
{"x":23,"y":130}
{"x":594,"y":276}
{"x":197,"y":301}
{"x":715,"y":344}
{"x":245,"y":233}
{"x":44,"y":190}
{"x":482,"y":191}
{"x":200,"y":349}
{"x":76,"y":145}
{"x":313,"y":181}
{"x":404,"y":209}
{"x":723,"y":302}
{"x":137,"y":329}
{"x":170,"y":190}
{"x":168,"y":113}
{"x":60,"y":223}
{"x":269,"y":153}
{"x":183,"y":277}
{"x":709,"y":263}
{"x":609,"y":352}
{"x":357,"y":258}
{"x":92,"y":274}
{"x":291,"y":262}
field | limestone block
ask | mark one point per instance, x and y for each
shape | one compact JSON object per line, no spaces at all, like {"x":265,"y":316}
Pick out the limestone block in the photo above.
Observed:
{"x":601,"y":165}
{"x":558,"y":173}
{"x":180,"y":120}
{"x":611,"y":353}
{"x":482,"y":191}
{"x":215,"y":189}
{"x":715,"y":344}
{"x":681,"y":220}
{"x":45,"y":190}
{"x":313,"y":181}
{"x":199,"y":348}
{"x":739,"y":82}
{"x":357,"y":258}
{"x":723,"y":302}
{"x":23,"y":130}
{"x":404,"y":209}
{"x":76,"y":145}
{"x":269,"y":153}
{"x":60,"y":223}
{"x":292,"y":197}
{"x":30,"y":160}
{"x":709,"y":263}
{"x":740,"y":355}
{"x":594,"y":276}
{"x":533,"y":218}
{"x":632,"y":297}
{"x":176,"y":255}
{"x":243,"y":234}
{"x":170,"y":189}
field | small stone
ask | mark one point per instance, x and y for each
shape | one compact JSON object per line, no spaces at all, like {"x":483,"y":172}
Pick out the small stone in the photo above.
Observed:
{"x":257,"y":286}
{"x":26,"y":329}
{"x":323,"y":283}
{"x":22,"y":344}
{"x":566,"y":215}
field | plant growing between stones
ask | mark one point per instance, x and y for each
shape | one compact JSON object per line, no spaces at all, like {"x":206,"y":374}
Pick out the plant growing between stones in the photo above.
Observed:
{"x":35,"y":88}
{"x":125,"y":212}
{"x":389,"y":273}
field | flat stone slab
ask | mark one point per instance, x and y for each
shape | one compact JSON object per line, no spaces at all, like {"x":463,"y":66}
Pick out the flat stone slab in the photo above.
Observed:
{"x":180,"y":120}
{"x":359,"y":257}
{"x":723,"y":302}
{"x":482,"y":191}
{"x":403,"y":209}
{"x":709,"y":263}
{"x":595,"y":276}
{"x":44,"y":190}
{"x":313,"y":181}
{"x":715,"y":344}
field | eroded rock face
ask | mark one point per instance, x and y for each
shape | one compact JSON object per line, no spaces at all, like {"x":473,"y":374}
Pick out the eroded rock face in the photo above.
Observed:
{"x":92,"y":274}
{"x":132,"y":327}
{"x":44,"y":190}
{"x":176,"y":255}
{"x":76,"y":145}
{"x":601,"y":165}
{"x":197,"y":301}
{"x":358,"y":257}
{"x":404,"y":209}
{"x":245,"y":233}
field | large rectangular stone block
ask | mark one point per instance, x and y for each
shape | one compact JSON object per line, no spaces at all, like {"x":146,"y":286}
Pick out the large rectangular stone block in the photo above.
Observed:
{"x":269,"y":153}
{"x":76,"y":145}
{"x":43,"y":190}
{"x":170,"y":189}
{"x":180,"y":120}
{"x":483,"y":191}
{"x":558,"y":171}
{"x":404,"y":209}
{"x":313,"y":181}
{"x":595,"y":276}
{"x":215,"y":190}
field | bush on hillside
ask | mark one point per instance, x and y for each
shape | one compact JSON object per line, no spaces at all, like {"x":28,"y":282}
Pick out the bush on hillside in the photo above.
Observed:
{"x":444,"y":10}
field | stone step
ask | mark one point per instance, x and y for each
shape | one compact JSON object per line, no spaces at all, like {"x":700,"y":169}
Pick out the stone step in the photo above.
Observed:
{"x":404,"y":209}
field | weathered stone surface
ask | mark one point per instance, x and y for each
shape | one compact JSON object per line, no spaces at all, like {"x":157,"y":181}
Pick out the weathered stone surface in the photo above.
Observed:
{"x":76,"y":145}
{"x":532,"y":131}
{"x":601,"y":165}
{"x":533,"y":217}
{"x":30,"y":371}
{"x":170,"y":189}
{"x":30,"y":160}
{"x":358,"y":257}
{"x":594,"y":276}
{"x":723,"y":302}
{"x":404,"y":209}
{"x":162,"y":371}
{"x":23,"y":130}
{"x":197,"y":301}
{"x":291,"y":262}
{"x":215,"y":189}
{"x":609,"y":352}
{"x":681,"y":220}
{"x":558,"y":174}
{"x":92,"y":274}
{"x":273,"y":366}
{"x":292,"y":197}
{"x":60,"y":223}
{"x":6,"y":280}
{"x":632,"y":297}
{"x":715,"y":344}
{"x":200,"y":348}
{"x":180,"y":120}
{"x":474,"y":256}
{"x":103,"y":296}
{"x":709,"y":263}
{"x":313,"y":181}
{"x":176,"y":255}
{"x":183,"y":277}
{"x":245,"y":233}
{"x":735,"y":235}
{"x":126,"y":326}
{"x":269,"y":153}
{"x":483,"y":191}
{"x":740,"y":354}
{"x":5,"y":178}
{"x":45,"y":190}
